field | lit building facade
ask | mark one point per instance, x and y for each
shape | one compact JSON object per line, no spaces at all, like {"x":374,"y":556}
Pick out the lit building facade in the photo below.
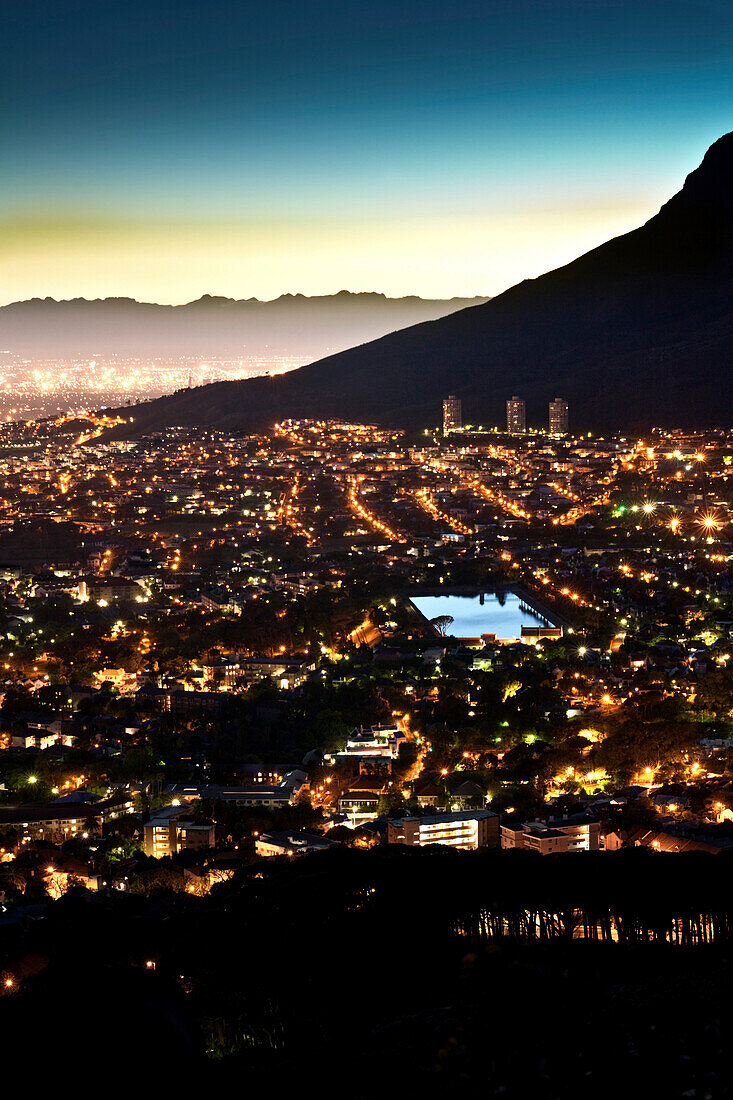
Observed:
{"x":452,"y":414}
{"x":559,"y":416}
{"x":516,"y":415}
{"x":464,"y":829}
{"x":570,"y":834}
{"x":169,"y":832}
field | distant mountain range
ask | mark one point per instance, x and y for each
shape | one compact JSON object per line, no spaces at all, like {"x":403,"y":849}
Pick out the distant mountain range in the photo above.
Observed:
{"x":291,"y":325}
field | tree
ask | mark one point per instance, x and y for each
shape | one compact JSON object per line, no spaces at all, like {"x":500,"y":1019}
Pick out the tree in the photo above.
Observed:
{"x":714,"y":693}
{"x":391,"y":800}
{"x":441,"y":624}
{"x":331,"y":730}
{"x":156,"y":876}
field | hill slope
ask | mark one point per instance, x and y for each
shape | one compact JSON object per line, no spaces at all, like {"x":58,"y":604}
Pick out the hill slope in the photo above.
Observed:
{"x":637,"y":332}
{"x":292,"y":324}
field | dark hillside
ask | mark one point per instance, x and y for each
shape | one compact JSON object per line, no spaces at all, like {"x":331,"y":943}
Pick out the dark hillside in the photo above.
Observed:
{"x":635,"y":333}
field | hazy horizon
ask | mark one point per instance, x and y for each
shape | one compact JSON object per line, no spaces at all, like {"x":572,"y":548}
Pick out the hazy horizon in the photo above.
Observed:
{"x":62,"y":356}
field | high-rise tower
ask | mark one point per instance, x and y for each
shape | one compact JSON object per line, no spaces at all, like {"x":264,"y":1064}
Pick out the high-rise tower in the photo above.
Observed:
{"x":452,"y":414}
{"x":516,"y":415}
{"x":559,"y":416}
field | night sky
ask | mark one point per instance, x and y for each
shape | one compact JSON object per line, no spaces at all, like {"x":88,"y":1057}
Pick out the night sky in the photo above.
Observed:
{"x":164,"y":149}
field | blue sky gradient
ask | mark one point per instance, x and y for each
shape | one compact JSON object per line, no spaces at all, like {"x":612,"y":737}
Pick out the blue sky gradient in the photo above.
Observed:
{"x":167,"y":149}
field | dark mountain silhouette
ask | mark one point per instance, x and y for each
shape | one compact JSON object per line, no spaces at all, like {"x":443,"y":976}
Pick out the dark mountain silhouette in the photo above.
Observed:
{"x":292,"y":324}
{"x":637,"y":332}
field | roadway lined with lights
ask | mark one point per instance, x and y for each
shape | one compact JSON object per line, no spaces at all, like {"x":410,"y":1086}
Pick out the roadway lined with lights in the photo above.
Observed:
{"x":373,"y":521}
{"x":424,"y":499}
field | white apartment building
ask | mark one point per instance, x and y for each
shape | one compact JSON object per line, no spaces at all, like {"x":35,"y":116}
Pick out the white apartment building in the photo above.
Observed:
{"x":462,"y":829}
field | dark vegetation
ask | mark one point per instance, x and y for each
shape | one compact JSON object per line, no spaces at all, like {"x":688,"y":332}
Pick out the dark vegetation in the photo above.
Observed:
{"x":351,"y":967}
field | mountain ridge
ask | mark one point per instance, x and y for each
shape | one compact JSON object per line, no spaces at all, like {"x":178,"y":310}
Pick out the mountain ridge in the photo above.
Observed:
{"x":285,"y":296}
{"x":636,"y":332}
{"x":292,"y":324}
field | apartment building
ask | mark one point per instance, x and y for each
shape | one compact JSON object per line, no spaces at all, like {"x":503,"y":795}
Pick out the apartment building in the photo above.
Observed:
{"x":169,"y":832}
{"x":377,"y":741}
{"x":452,"y":414}
{"x":462,"y":829}
{"x":65,"y":818}
{"x":568,"y":834}
{"x":516,"y":415}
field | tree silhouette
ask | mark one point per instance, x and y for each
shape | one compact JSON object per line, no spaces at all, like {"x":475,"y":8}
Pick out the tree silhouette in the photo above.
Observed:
{"x":441,"y":624}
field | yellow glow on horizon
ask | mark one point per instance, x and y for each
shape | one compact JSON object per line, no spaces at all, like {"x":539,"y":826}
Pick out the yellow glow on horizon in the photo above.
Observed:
{"x":434,"y":254}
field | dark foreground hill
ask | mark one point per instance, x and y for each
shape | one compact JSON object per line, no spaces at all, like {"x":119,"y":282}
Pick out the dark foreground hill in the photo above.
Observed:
{"x":637,"y":332}
{"x":292,"y":324}
{"x":394,"y":973}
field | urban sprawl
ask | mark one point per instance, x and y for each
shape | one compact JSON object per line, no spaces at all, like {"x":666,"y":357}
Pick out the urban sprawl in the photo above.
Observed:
{"x":218,"y":649}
